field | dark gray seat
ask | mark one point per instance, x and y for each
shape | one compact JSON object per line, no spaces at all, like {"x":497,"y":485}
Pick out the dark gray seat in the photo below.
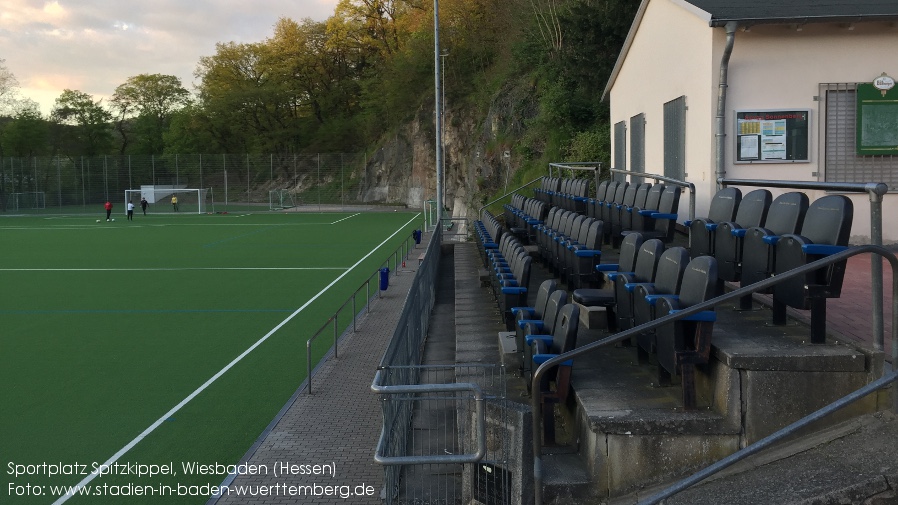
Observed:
{"x":544,"y":326}
{"x":645,"y":271}
{"x":584,"y":254}
{"x":610,"y":207}
{"x":728,"y":238}
{"x":525,"y":315}
{"x":667,"y":281}
{"x":601,"y":189}
{"x":724,"y":205}
{"x":562,"y":340}
{"x":685,"y":343}
{"x":826,"y":230}
{"x":661,"y":223}
{"x":639,"y":202}
{"x":786,"y":216}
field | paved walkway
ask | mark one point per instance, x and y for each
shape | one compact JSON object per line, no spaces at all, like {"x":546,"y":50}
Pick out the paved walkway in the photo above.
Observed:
{"x":336,"y":427}
{"x":851,"y":315}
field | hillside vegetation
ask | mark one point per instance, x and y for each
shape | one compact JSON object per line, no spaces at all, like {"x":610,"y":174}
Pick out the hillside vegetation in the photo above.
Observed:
{"x":523,"y":84}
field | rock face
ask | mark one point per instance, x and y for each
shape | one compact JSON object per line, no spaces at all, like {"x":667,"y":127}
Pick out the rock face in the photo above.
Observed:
{"x":478,"y":155}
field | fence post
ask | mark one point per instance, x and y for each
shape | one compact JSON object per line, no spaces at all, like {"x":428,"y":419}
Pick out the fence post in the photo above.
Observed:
{"x":335,"y":335}
{"x":309,"y":364}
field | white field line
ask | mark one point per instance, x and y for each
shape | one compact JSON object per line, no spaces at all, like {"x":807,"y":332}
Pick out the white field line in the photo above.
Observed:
{"x":121,"y":452}
{"x":347,"y":217}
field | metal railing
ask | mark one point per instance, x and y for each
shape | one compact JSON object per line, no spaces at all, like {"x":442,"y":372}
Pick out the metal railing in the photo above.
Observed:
{"x":875,"y":190}
{"x":406,"y":347}
{"x":536,"y":401}
{"x":595,"y":166}
{"x":435,"y":427}
{"x":333,"y":322}
{"x":661,"y":178}
{"x":506,"y":195}
{"x":767,"y":441}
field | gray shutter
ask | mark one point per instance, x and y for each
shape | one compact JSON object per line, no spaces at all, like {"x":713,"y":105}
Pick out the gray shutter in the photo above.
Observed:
{"x":675,"y":139}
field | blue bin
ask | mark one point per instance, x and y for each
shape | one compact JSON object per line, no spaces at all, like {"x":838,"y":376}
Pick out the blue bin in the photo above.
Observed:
{"x":417,"y":235}
{"x":384,"y":278}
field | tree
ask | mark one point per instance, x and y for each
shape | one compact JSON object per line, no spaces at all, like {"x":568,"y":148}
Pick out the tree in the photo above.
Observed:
{"x":26,"y":134}
{"x":89,"y":131}
{"x":151,"y":99}
{"x":8,"y":87}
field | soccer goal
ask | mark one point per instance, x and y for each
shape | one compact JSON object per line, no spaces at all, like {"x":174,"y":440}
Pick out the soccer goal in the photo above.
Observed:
{"x":281,"y":199}
{"x":26,"y":200}
{"x":168,"y":200}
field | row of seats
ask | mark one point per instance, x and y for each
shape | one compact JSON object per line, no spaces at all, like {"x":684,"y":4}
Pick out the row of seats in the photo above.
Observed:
{"x":570,"y":244}
{"x":650,"y":282}
{"x":510,"y":263}
{"x":523,"y":213}
{"x":567,"y":193}
{"x":545,"y":330}
{"x":644,"y":208}
{"x":755,"y":237}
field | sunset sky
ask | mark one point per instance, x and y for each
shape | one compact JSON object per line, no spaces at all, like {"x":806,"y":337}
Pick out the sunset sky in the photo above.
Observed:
{"x":95,"y":45}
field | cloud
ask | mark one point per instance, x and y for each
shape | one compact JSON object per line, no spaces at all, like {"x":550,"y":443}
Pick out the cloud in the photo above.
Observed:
{"x":96,"y":45}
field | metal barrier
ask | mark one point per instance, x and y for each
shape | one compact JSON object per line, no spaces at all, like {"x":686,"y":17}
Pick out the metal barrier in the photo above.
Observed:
{"x":401,"y":252}
{"x":676,"y":182}
{"x":434,"y":416}
{"x":536,"y":402}
{"x":435,"y":428}
{"x":770,"y":439}
{"x":506,"y":195}
{"x":595,"y":166}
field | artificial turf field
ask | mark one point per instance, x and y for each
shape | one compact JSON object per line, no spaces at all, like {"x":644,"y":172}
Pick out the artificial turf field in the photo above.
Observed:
{"x":165,"y":340}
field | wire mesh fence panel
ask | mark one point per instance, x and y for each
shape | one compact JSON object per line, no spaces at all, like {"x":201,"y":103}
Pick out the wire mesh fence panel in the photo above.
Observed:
{"x":445,"y":424}
{"x":82,"y":184}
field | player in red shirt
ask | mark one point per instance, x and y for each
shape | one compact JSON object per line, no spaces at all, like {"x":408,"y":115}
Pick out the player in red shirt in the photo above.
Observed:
{"x":108,"y":207}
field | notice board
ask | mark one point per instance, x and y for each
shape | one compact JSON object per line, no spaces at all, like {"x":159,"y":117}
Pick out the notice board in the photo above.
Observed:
{"x":772,"y":136}
{"x":877,"y":120}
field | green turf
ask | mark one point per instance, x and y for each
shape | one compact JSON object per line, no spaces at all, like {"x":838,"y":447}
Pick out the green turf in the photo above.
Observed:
{"x":108,"y":326}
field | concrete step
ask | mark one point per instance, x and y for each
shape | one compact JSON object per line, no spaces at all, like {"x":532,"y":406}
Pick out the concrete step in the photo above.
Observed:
{"x":852,"y":462}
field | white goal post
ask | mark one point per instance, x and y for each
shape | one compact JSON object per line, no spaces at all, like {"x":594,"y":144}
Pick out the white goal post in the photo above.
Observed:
{"x":170,"y":199}
{"x":281,"y":199}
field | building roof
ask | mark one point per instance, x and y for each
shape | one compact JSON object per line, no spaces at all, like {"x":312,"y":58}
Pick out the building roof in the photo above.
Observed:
{"x":796,"y":11}
{"x":761,"y":12}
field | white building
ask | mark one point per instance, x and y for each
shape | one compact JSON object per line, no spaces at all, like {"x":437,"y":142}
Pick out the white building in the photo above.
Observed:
{"x":761,"y":89}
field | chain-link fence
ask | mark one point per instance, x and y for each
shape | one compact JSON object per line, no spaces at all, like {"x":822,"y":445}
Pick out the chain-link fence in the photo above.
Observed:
{"x":82,"y":184}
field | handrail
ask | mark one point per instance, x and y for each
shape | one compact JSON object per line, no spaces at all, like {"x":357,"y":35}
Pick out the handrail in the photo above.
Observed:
{"x":487,"y":204}
{"x":480,"y":427}
{"x":875,"y":190}
{"x":770,"y":439}
{"x":676,"y":182}
{"x":595,"y":166}
{"x":536,"y":403}
{"x":333,"y":318}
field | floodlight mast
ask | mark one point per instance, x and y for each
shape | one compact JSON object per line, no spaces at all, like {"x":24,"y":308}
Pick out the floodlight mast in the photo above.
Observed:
{"x":438,"y":110}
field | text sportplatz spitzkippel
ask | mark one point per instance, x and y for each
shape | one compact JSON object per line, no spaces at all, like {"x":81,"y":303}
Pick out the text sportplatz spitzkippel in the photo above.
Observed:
{"x":277,"y":469}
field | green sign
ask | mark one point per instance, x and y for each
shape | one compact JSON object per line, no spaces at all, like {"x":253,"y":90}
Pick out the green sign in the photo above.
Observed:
{"x":877,"y":120}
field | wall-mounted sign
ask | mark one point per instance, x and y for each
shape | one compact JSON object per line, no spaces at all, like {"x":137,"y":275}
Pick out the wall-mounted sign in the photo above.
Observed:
{"x":883,"y":83}
{"x":877,"y":117}
{"x":772,"y":136}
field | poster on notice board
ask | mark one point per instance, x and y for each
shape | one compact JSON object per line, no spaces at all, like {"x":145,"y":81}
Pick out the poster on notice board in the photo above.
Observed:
{"x":772,"y":136}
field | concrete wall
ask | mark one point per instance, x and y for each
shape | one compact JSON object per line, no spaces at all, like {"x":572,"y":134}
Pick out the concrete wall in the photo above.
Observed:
{"x":671,"y":56}
{"x":674,"y":53}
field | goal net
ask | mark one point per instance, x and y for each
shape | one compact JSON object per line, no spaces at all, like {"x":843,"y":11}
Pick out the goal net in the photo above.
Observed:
{"x":281,"y":199}
{"x":26,"y":200}
{"x":169,"y":200}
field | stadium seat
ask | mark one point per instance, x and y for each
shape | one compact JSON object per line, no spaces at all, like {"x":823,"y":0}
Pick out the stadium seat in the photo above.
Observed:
{"x":826,"y":230}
